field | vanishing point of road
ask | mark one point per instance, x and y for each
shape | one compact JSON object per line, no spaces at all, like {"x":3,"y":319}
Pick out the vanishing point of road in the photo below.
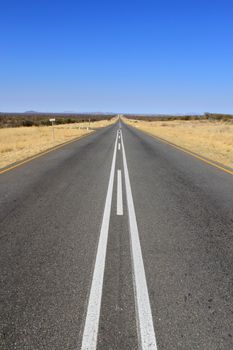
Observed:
{"x":116,"y":241}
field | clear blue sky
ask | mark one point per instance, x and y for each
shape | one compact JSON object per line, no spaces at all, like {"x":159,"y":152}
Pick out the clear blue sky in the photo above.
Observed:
{"x":161,"y":56}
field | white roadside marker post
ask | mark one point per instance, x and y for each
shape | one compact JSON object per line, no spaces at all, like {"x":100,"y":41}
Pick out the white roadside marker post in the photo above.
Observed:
{"x":52,"y":120}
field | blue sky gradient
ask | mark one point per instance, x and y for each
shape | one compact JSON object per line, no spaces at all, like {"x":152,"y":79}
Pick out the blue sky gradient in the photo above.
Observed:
{"x":145,"y":56}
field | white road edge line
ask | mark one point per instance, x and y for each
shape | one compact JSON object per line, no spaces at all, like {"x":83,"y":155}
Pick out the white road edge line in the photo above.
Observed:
{"x":119,"y":194}
{"x":90,"y":333}
{"x":119,"y":146}
{"x":146,"y":332}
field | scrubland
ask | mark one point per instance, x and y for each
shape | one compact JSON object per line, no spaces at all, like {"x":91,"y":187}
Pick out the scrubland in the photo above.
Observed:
{"x":20,"y":143}
{"x":211,"y":139}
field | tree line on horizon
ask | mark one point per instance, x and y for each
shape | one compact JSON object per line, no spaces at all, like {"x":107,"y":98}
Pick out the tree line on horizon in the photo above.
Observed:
{"x":42,"y":119}
{"x":161,"y":117}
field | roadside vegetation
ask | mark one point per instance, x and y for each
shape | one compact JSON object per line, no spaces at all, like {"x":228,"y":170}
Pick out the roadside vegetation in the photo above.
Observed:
{"x":210,"y":135}
{"x":166,"y":117}
{"x":19,"y":143}
{"x":42,"y":119}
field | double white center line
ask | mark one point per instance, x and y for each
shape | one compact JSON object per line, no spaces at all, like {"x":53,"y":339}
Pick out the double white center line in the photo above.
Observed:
{"x":144,"y":315}
{"x":146,"y":333}
{"x":119,"y":194}
{"x":90,"y":333}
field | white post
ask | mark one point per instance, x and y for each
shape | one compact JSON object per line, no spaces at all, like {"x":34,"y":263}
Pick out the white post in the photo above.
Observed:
{"x":53,"y":131}
{"x":52,"y":120}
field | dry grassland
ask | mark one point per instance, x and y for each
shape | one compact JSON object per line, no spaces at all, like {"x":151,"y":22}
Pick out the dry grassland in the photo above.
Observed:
{"x":211,"y":139}
{"x":20,"y":143}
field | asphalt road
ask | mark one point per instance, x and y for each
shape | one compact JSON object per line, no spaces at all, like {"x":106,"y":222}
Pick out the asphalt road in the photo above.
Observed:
{"x":116,"y":241}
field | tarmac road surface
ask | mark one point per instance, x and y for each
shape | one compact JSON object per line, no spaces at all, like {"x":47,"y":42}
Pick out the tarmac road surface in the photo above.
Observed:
{"x":116,"y":241}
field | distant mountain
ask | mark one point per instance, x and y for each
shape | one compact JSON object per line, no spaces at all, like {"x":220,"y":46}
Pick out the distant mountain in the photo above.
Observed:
{"x":30,"y":112}
{"x":68,"y":112}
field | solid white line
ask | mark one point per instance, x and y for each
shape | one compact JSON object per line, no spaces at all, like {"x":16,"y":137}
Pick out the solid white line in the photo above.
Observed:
{"x":89,"y":340}
{"x":119,"y":194}
{"x":146,"y":332}
{"x":119,"y":146}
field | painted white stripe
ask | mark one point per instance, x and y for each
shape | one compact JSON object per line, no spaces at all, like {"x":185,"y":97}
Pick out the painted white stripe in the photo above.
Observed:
{"x":119,"y":146}
{"x":119,"y":194}
{"x":146,"y":332}
{"x":89,"y":340}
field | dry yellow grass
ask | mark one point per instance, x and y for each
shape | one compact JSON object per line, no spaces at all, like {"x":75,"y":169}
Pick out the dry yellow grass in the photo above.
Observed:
{"x":20,"y":143}
{"x":211,"y":139}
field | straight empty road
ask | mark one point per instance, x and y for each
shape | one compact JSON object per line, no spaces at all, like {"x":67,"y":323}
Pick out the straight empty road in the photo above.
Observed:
{"x":116,"y":241}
